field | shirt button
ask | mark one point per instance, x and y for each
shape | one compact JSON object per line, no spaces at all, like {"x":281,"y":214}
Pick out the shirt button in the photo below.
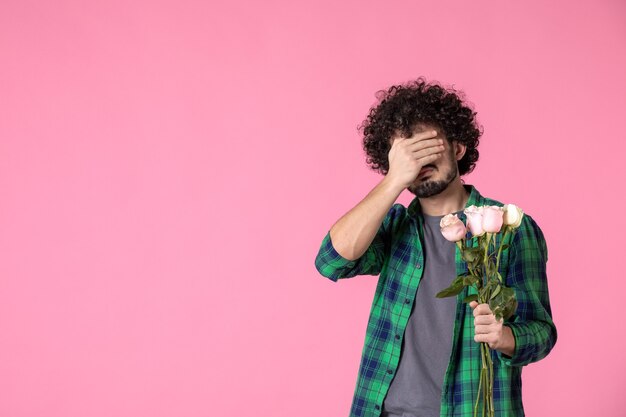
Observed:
{"x":389,"y":371}
{"x":377,"y":407}
{"x":418,"y":266}
{"x":398,"y":337}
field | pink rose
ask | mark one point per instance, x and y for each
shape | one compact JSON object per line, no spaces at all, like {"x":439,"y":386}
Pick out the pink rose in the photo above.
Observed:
{"x":452,"y":228}
{"x":475,"y":220}
{"x":492,"y":219}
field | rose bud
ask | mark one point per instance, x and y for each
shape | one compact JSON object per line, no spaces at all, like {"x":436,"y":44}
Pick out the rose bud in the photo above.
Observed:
{"x":512,"y":215}
{"x":492,"y":219}
{"x":475,"y":220}
{"x":452,"y":228}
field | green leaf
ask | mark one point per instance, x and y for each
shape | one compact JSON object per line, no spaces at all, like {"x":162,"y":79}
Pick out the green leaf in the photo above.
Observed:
{"x":455,"y":287}
{"x":471,"y":297}
{"x":470,"y":279}
{"x":483,"y":293}
{"x":494,"y":303}
{"x":509,"y":309}
{"x":508,"y":293}
{"x":496,"y":291}
{"x":472,"y":255}
{"x":450,"y":291}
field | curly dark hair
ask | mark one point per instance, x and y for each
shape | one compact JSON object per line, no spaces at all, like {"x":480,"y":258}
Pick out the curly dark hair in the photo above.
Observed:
{"x":401,"y":107}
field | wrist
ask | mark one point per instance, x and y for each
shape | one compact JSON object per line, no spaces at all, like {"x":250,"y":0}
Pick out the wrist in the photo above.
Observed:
{"x":507,"y":343}
{"x":392,"y":185}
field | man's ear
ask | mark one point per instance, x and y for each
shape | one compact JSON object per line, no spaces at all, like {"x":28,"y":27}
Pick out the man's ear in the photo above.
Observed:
{"x":459,"y":150}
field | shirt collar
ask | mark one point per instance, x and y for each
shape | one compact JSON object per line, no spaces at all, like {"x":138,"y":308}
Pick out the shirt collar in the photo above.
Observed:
{"x":475,"y":199}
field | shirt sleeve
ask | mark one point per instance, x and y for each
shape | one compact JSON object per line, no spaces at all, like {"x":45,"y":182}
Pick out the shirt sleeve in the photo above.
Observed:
{"x":332,"y":265}
{"x":532,"y":326}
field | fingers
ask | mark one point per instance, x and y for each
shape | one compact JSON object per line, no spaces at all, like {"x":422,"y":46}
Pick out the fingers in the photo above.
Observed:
{"x":429,"y":153}
{"x":415,"y":138}
{"x":480,"y":309}
{"x":425,"y":150}
{"x":484,"y":320}
{"x":407,"y":156}
{"x":425,"y":145}
{"x":483,"y":329}
{"x":483,"y":314}
{"x":428,"y":134}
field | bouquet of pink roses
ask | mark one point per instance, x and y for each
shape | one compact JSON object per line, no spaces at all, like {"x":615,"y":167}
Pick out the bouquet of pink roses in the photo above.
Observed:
{"x":485,"y":224}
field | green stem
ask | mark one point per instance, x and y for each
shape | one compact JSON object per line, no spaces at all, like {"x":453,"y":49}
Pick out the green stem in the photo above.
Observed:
{"x":480,"y":383}
{"x":482,"y":355}
{"x":483,"y":373}
{"x":506,"y":231}
{"x":484,"y":396}
{"x":460,"y":245}
{"x":490,"y":379}
{"x":472,"y":271}
{"x":485,"y":386}
{"x":485,"y":246}
{"x":486,"y":240}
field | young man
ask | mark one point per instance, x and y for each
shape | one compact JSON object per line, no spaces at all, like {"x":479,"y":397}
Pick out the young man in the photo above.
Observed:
{"x":421,"y":356}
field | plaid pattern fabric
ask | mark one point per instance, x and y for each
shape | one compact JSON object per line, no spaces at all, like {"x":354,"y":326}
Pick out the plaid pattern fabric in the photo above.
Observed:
{"x":396,"y":254}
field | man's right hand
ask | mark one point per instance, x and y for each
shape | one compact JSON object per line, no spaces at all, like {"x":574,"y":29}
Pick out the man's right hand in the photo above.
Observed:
{"x":408,"y":156}
{"x":355,"y":231}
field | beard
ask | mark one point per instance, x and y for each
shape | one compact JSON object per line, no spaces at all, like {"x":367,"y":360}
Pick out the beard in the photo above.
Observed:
{"x":429,"y":188}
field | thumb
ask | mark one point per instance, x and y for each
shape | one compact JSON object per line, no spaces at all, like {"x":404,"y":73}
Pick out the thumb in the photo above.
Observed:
{"x":473,"y":304}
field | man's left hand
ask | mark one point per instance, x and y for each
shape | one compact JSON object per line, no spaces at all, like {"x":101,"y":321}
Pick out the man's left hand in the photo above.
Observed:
{"x":486,"y":327}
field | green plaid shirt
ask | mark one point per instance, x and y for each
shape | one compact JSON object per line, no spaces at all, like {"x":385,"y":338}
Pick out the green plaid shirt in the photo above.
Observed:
{"x":396,"y":254}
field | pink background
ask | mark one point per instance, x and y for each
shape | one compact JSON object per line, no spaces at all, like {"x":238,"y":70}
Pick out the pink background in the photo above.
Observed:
{"x":168,"y":170}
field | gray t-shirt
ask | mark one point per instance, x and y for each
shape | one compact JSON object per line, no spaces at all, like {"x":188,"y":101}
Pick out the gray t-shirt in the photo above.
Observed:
{"x":415,"y":390}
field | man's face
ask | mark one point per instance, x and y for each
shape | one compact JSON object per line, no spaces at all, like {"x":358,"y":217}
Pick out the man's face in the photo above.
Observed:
{"x":444,"y":169}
